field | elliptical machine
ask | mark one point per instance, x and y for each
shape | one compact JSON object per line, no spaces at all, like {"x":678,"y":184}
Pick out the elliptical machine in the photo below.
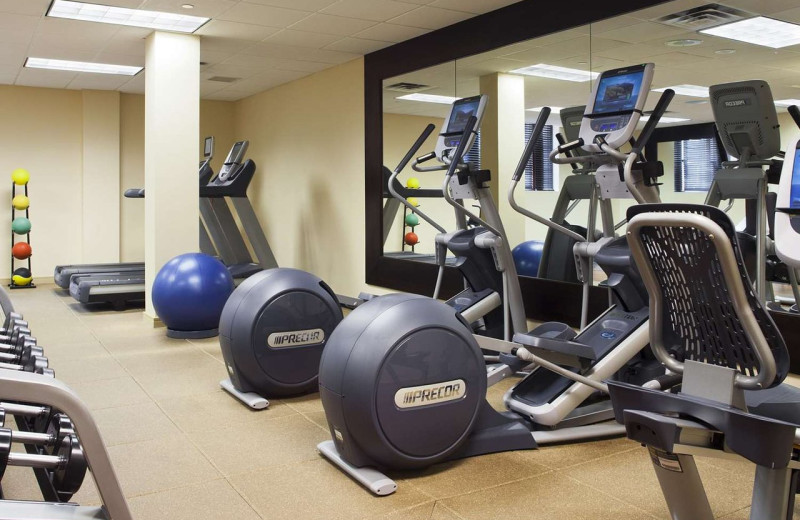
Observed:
{"x":403,"y":382}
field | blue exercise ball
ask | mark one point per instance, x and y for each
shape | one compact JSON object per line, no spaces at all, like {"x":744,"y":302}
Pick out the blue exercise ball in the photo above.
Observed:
{"x":189,"y":293}
{"x":527,"y":257}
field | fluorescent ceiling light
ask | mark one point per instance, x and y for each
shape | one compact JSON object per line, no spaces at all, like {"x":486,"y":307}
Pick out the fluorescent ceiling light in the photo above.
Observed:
{"x":124,"y":16}
{"x":82,"y":66}
{"x":553,"y":110}
{"x":554,"y":72}
{"x":759,"y":31}
{"x":787,"y":102}
{"x":666,"y":119}
{"x":429,"y":98}
{"x":686,"y":90}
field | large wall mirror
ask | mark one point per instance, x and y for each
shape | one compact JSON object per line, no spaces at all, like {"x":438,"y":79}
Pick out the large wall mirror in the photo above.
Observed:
{"x":555,"y":69}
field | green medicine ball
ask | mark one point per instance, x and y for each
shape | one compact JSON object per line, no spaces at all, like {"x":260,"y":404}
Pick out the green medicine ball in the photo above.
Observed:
{"x":21,"y":225}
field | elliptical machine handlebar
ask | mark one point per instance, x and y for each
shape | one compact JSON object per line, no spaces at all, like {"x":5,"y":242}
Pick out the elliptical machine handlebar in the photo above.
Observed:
{"x":401,"y":165}
{"x":795,"y":113}
{"x":526,"y":156}
{"x":455,"y":163}
{"x":655,"y":117}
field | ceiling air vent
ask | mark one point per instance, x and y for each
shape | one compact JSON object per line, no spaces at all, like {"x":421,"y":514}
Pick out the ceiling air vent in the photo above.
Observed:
{"x":703,"y":17}
{"x":408,"y":87}
{"x":223,"y":79}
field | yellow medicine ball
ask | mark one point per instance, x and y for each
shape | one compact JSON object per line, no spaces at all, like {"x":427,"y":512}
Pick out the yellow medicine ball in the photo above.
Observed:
{"x":20,"y":176}
{"x":20,"y":202}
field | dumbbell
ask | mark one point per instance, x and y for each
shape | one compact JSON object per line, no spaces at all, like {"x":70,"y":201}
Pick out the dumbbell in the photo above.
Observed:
{"x":35,"y":364}
{"x":37,"y":417}
{"x":58,"y":427}
{"x":66,"y":467}
{"x":21,"y":356}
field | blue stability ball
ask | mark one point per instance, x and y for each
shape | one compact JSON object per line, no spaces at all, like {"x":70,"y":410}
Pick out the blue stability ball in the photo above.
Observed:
{"x":189,"y":293}
{"x":527,"y":256}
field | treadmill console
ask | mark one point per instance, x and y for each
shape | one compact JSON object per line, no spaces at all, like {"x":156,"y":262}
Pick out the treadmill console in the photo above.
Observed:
{"x":615,"y":105}
{"x":208,"y":147}
{"x":456,"y":120}
{"x":231,"y":165}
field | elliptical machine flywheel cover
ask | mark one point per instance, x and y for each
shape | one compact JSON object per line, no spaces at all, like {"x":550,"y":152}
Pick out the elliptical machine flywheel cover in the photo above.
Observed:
{"x":273,"y":329}
{"x":402,"y":381}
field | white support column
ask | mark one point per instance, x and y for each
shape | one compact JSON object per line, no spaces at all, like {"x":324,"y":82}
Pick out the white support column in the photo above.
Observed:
{"x":100,"y":233}
{"x":172,"y":127}
{"x":502,"y":143}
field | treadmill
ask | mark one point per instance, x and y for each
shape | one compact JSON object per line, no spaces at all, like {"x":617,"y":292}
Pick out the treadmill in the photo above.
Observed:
{"x":231,"y":245}
{"x":63,"y":273}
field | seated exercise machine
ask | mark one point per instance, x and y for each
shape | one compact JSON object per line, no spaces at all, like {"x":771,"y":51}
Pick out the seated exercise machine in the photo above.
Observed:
{"x":403,"y":378}
{"x":709,"y":326}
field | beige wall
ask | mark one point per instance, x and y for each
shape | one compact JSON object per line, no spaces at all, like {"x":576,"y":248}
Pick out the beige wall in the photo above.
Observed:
{"x":53,"y":134}
{"x":307,"y":138}
{"x":42,"y":132}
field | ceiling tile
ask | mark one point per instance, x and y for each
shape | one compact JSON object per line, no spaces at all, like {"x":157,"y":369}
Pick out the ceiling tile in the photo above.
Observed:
{"x":242,"y":31}
{"x":17,"y":28}
{"x":212,"y":58}
{"x":640,"y":32}
{"x":303,"y":5}
{"x":97,"y":81}
{"x":376,"y":10}
{"x":7,"y":78}
{"x":230,"y":70}
{"x":262,"y":15}
{"x":329,"y":24}
{"x":223,"y":45}
{"x":207,"y":8}
{"x":472,"y":6}
{"x":29,"y":7}
{"x":209,"y":87}
{"x":357,"y":45}
{"x":266,"y":80}
{"x":312,"y":40}
{"x":389,"y":32}
{"x":430,"y":17}
{"x":228,"y":95}
{"x":44,"y":78}
{"x":305,"y":66}
{"x":290,"y":52}
{"x":135,"y":84}
{"x":771,"y":7}
{"x":13,"y":55}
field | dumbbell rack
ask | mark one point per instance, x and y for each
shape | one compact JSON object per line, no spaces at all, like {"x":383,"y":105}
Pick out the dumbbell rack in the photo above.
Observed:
{"x":44,"y":479}
{"x":11,"y":284}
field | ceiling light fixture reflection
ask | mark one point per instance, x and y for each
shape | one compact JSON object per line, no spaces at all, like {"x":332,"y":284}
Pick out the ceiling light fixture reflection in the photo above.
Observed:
{"x":553,"y":110}
{"x":786,"y":102}
{"x":759,"y":30}
{"x":543,"y":70}
{"x":161,"y":21}
{"x":686,"y":90}
{"x":82,"y":66}
{"x":429,"y":98}
{"x":666,"y":119}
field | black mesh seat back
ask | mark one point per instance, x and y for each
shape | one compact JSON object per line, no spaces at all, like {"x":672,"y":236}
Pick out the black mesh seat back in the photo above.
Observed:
{"x":700,"y":321}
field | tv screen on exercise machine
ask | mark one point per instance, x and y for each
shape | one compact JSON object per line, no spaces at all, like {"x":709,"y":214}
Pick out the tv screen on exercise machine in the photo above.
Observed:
{"x":462,"y":110}
{"x":618,"y":92}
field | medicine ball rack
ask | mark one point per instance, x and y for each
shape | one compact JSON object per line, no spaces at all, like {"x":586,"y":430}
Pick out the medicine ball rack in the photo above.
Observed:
{"x":11,"y":284}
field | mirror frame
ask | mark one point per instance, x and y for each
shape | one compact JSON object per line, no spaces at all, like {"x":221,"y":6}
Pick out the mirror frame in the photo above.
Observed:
{"x":472,"y":36}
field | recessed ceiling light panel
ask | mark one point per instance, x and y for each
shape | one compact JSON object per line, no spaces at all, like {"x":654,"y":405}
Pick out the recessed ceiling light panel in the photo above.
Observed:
{"x":686,"y":90}
{"x":122,"y":16}
{"x":543,"y":70}
{"x":725,"y":51}
{"x":82,"y":66}
{"x":429,"y":98}
{"x":787,"y":102}
{"x":759,"y":30}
